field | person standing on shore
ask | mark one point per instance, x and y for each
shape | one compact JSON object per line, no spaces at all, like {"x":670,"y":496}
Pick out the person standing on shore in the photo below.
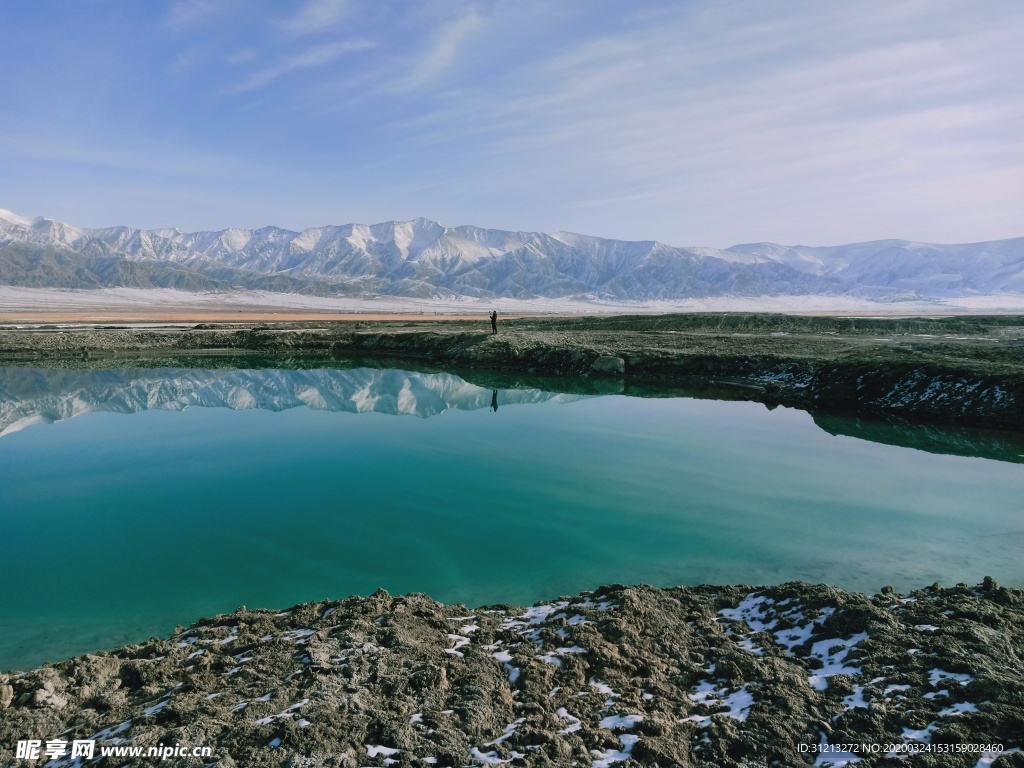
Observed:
{"x":494,"y":322}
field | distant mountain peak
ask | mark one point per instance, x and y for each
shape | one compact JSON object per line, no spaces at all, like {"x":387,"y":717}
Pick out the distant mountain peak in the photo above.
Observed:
{"x":424,"y":258}
{"x":14,"y":218}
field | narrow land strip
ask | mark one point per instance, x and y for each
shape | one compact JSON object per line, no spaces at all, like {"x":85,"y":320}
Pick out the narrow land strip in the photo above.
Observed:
{"x":966,"y":370}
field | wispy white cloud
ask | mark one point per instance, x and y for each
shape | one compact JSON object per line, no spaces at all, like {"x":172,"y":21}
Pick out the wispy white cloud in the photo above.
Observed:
{"x":703,"y":122}
{"x":184,"y":13}
{"x":443,"y":50}
{"x":794,"y":125}
{"x":315,"y":16}
{"x":311,"y":58}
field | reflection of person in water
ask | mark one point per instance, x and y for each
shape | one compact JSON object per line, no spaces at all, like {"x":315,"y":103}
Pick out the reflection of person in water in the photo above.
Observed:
{"x":494,"y":400}
{"x":494,"y":322}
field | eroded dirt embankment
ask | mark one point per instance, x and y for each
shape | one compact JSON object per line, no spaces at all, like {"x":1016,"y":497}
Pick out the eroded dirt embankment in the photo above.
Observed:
{"x":960,"y":370}
{"x":702,"y":676}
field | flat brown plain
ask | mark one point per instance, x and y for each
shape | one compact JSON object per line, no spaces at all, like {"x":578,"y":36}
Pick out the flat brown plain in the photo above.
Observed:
{"x":237,"y":316}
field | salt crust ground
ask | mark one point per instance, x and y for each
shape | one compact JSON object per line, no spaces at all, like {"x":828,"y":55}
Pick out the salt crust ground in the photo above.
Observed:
{"x":16,"y":299}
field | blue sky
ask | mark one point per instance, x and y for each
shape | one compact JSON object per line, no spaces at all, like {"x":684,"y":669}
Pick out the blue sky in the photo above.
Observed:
{"x":695,"y":123}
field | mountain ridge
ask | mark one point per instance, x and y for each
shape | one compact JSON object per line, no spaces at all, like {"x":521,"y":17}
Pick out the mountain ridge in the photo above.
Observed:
{"x":425,"y":259}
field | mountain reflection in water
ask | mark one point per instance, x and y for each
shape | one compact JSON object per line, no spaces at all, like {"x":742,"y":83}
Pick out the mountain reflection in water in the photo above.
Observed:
{"x":46,"y":395}
{"x":33,"y":396}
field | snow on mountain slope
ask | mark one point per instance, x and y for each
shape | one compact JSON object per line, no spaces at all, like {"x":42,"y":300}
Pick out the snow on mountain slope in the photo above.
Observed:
{"x":40,"y":231}
{"x":798,"y":257}
{"x":942,"y":270}
{"x":12,"y":218}
{"x":422,"y":258}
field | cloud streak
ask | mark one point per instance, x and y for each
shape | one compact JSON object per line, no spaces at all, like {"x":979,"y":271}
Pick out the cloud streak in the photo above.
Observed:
{"x":768,"y":122}
{"x":185,"y":13}
{"x":314,"y":57}
{"x":443,"y":50}
{"x":706,"y":122}
{"x":315,"y":16}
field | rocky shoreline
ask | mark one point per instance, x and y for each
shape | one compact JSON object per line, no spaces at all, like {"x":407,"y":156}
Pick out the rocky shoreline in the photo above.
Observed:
{"x":687,"y":676}
{"x":963,"y":370}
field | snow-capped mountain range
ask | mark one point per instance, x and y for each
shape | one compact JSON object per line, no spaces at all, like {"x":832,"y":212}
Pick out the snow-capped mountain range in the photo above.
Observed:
{"x":34,"y":396}
{"x":421,"y":258}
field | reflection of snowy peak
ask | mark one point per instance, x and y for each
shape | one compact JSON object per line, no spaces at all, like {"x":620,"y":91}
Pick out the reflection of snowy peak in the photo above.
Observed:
{"x":34,"y":395}
{"x":424,"y":258}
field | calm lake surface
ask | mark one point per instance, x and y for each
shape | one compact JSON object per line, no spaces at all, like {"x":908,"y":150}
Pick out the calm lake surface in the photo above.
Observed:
{"x":131,"y":501}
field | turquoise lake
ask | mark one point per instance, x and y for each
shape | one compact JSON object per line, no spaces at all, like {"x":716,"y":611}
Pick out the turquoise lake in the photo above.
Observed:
{"x":132,"y":501}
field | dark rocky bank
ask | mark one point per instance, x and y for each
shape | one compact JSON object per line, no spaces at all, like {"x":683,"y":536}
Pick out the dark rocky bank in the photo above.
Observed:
{"x":961,"y":370}
{"x":623,"y":676}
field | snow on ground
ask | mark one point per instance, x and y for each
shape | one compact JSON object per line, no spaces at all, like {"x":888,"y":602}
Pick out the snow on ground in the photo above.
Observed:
{"x":16,"y":298}
{"x":575,"y":723}
{"x":936,"y":676}
{"x":603,"y":688}
{"x":856,"y":699}
{"x":287,"y":713}
{"x":917,"y":735}
{"x":832,"y":654}
{"x":604,"y":605}
{"x":374,"y":751}
{"x":156,"y":707}
{"x":506,"y":661}
{"x":604,"y":759}
{"x":492,"y":758}
{"x":761,"y":614}
{"x":533,"y":616}
{"x":460,"y":641}
{"x":298,"y":636}
{"x":738,"y":702}
{"x":510,"y":729}
{"x":989,"y":757}
{"x":613,"y":722}
{"x":958,"y":709}
{"x":751,"y":610}
{"x":107,"y":733}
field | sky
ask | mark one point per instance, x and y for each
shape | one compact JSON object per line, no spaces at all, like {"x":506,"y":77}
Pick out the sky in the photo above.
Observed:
{"x":693,"y":122}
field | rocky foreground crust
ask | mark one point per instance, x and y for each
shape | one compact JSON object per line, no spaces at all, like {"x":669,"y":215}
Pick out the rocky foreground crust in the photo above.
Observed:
{"x":623,"y":676}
